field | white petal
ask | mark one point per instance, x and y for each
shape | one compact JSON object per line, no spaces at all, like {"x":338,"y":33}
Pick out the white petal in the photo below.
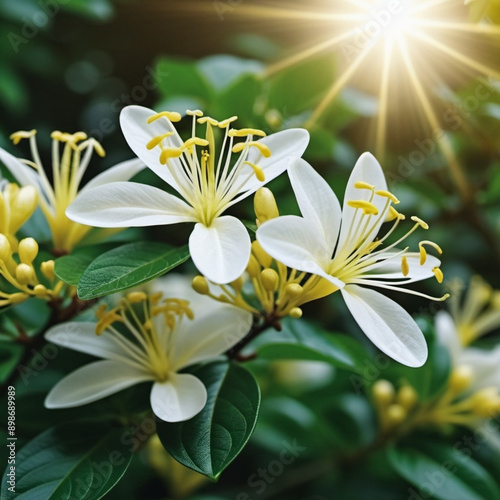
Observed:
{"x":297,"y":244}
{"x":317,"y":202}
{"x":180,"y":398}
{"x":23,"y":174}
{"x":221,"y":251}
{"x":81,"y":337}
{"x":485,"y":365}
{"x":284,"y":146}
{"x":128,"y":204}
{"x":367,"y":169}
{"x":391,"y":269}
{"x":387,"y":325}
{"x":137,"y":132}
{"x":123,"y":171}
{"x":209,"y":334}
{"x":93,"y":382}
{"x":448,"y":335}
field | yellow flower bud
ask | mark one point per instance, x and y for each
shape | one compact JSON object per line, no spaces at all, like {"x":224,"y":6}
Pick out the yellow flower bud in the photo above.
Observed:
{"x":265,"y":260}
{"x":293,"y":291}
{"x":40,"y":291}
{"x":395,"y":414}
{"x":383,"y":392}
{"x":200,"y":285}
{"x":28,"y":250}
{"x":265,"y":205}
{"x":295,"y":313}
{"x":486,"y":402}
{"x":24,"y":274}
{"x":461,"y":378}
{"x":253,"y":267}
{"x":5,"y":248}
{"x":47,"y":269}
{"x":407,"y":397}
{"x":269,"y":279}
{"x":22,"y":207}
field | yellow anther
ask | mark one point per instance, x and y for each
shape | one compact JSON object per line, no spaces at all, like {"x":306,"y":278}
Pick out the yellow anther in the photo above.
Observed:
{"x":225,"y":123}
{"x":405,"y":268}
{"x":173,"y":116}
{"x":136,"y":297}
{"x":168,"y":153}
{"x":16,"y":137}
{"x":56,"y":135}
{"x":265,"y":206}
{"x":47,"y":269}
{"x":407,"y":397}
{"x":259,"y":173}
{"x":208,"y":119}
{"x":194,"y":141}
{"x":420,"y":222}
{"x":195,"y":112}
{"x":460,"y":379}
{"x":364,"y":185}
{"x":383,"y":392}
{"x":157,"y":140}
{"x":438,"y":274}
{"x":98,"y":148}
{"x":269,"y":279}
{"x":200,"y":285}
{"x":263,"y":149}
{"x":101,"y":311}
{"x":293,"y":291}
{"x":253,"y":267}
{"x":244,"y":132}
{"x":367,"y":207}
{"x":40,"y":291}
{"x":396,"y":414}
{"x":28,"y":250}
{"x":393,"y":214}
{"x":386,"y":194}
{"x":154,"y":298}
{"x":295,"y":313}
{"x":423,"y":253}
{"x":263,"y":258}
{"x":24,"y":274}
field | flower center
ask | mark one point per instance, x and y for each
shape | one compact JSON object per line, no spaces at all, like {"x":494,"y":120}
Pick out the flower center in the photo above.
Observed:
{"x":152,"y":323}
{"x":209,"y":180}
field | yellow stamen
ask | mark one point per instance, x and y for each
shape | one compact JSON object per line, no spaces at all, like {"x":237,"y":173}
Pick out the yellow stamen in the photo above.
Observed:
{"x":420,"y":222}
{"x":208,"y":119}
{"x":405,"y":268}
{"x":157,"y":140}
{"x":259,"y":173}
{"x":367,"y":207}
{"x":244,"y":132}
{"x":173,"y":116}
{"x":195,"y":112}
{"x":168,"y":153}
{"x":225,"y":123}
{"x":387,"y":194}
{"x":16,"y":137}
{"x":423,"y":252}
{"x":263,"y":149}
{"x":438,"y":274}
{"x":364,"y":185}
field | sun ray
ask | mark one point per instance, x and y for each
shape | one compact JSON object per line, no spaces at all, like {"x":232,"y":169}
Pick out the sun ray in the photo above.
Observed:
{"x":486,"y":29}
{"x":442,"y":139}
{"x":381,"y":128}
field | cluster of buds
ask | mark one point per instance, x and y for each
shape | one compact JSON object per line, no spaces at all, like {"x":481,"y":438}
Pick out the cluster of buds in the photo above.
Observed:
{"x":17,"y":204}
{"x":17,"y":268}
{"x":268,"y":288}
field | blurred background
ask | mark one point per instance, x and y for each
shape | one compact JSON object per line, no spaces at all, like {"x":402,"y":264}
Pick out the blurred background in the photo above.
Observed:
{"x":417,"y":84}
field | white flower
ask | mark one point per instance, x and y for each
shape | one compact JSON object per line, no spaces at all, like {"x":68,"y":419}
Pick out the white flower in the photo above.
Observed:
{"x":172,"y":334}
{"x":68,"y":170}
{"x":340,"y":246}
{"x":209,"y":183}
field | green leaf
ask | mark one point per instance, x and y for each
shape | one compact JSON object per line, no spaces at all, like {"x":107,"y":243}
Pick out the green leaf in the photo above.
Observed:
{"x":69,"y":461}
{"x":443,"y":472}
{"x":10,"y":354}
{"x":127,"y":266}
{"x":211,"y":440}
{"x":70,"y":268}
{"x":301,"y":340}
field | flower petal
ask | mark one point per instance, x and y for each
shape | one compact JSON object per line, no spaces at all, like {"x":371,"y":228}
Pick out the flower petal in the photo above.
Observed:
{"x":128,"y":204}
{"x":317,"y":202}
{"x":123,"y":171}
{"x":93,"y":382}
{"x":209,"y":334}
{"x":485,"y":365}
{"x":138,"y":133}
{"x":220,"y":252}
{"x":387,"y":325}
{"x":180,"y":398}
{"x":367,"y":169}
{"x":284,"y":146}
{"x":448,"y":335}
{"x":81,"y":337}
{"x":297,"y":244}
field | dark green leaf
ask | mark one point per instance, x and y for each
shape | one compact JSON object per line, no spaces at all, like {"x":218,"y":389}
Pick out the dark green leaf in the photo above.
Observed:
{"x":211,"y":440}
{"x":70,"y":268}
{"x":69,"y":461}
{"x":128,"y":266}
{"x":10,"y":354}
{"x":301,"y":340}
{"x":443,"y":472}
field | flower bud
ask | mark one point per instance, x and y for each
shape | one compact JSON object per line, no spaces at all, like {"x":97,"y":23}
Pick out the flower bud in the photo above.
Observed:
{"x":269,"y":279}
{"x":383,"y":392}
{"x":395,"y":414}
{"x":295,"y":313}
{"x":28,"y":250}
{"x":407,"y":397}
{"x":265,"y":260}
{"x":265,"y":205}
{"x":24,"y":274}
{"x":40,"y":291}
{"x":22,"y":207}
{"x":461,"y":378}
{"x":47,"y":269}
{"x":253,"y":267}
{"x":200,"y":285}
{"x":293,"y":291}
{"x":5,"y":248}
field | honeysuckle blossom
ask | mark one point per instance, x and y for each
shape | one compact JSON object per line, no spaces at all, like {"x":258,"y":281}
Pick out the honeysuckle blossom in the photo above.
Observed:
{"x":208,"y":184}
{"x":340,"y":245}
{"x":477,"y":315}
{"x":68,"y":170}
{"x":167,"y":332}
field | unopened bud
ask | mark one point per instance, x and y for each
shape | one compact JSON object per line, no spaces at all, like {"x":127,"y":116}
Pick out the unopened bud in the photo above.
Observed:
{"x":269,"y":279}
{"x":200,"y":285}
{"x":253,"y":267}
{"x":383,"y":392}
{"x":265,"y":205}
{"x":486,"y":402}
{"x":295,"y":313}
{"x":28,"y":250}
{"x":5,"y":248}
{"x":23,"y":206}
{"x":40,"y":291}
{"x":265,"y":260}
{"x":407,"y":397}
{"x":24,"y":274}
{"x":293,"y":291}
{"x":461,"y":378}
{"x":47,"y":269}
{"x":396,"y":414}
